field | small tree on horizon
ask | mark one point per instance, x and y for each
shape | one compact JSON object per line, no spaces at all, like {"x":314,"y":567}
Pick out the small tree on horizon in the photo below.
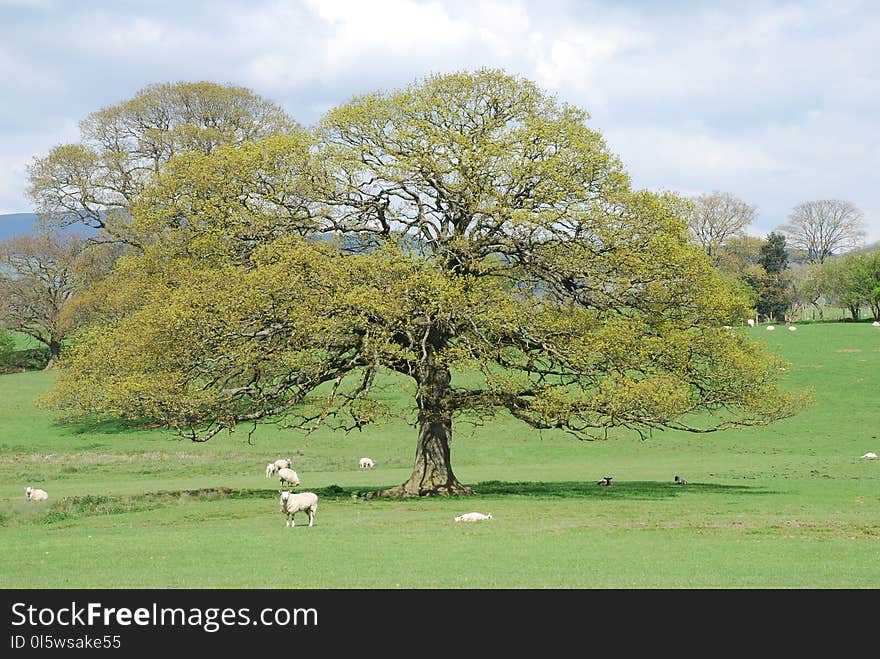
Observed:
{"x":824,"y":227}
{"x":774,"y":291}
{"x":716,"y":217}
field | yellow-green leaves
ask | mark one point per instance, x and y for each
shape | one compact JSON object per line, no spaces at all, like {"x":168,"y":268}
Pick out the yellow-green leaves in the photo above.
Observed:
{"x":470,"y":232}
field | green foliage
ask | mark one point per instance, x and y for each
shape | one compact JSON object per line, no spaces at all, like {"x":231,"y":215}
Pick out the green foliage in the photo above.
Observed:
{"x":773,"y":257}
{"x":7,"y":347}
{"x":774,"y":293}
{"x":853,"y":280}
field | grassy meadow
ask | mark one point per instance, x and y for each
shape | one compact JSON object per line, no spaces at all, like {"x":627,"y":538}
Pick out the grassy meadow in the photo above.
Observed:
{"x":790,"y":505}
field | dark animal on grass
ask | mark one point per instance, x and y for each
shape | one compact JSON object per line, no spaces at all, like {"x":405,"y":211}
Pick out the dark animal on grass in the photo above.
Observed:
{"x":605,"y":481}
{"x":680,"y":481}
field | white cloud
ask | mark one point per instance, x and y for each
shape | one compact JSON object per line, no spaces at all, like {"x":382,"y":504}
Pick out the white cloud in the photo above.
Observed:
{"x":774,"y":102}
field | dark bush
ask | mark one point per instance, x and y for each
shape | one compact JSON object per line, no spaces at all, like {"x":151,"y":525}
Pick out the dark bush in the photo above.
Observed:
{"x":31,"y":359}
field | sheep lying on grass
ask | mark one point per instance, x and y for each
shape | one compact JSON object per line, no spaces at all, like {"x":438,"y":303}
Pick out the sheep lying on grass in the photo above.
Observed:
{"x":870,"y":455}
{"x":293,"y":503}
{"x":280,"y":463}
{"x":35,"y":494}
{"x":751,"y":322}
{"x":288,"y":477}
{"x":875,"y":324}
{"x":366,"y":463}
{"x":770,"y":328}
{"x":605,"y":481}
{"x":473,"y":517}
{"x":680,"y":481}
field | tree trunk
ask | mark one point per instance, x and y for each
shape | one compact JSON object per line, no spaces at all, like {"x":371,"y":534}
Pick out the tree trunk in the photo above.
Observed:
{"x":54,"y":351}
{"x":432,"y":472}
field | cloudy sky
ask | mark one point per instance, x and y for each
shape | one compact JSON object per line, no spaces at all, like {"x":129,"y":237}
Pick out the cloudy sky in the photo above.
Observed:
{"x":775,"y":102}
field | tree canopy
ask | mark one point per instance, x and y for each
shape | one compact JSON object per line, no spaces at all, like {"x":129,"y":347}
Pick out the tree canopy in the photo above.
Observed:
{"x":94,"y":182}
{"x":40,"y":276}
{"x":470,"y":233}
{"x":821,"y":228}
{"x":716,"y":217}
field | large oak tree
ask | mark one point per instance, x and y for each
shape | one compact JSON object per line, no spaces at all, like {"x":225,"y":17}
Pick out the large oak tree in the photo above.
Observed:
{"x":470,"y":234}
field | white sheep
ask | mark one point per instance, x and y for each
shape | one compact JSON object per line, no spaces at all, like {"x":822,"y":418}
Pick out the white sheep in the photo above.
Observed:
{"x":473,"y":517}
{"x":770,"y":328}
{"x":280,"y":463}
{"x":35,"y":494}
{"x":293,"y":503}
{"x":751,"y":322}
{"x":288,"y":476}
{"x":727,"y":327}
{"x":792,"y":328}
{"x":366,"y":463}
{"x":870,"y":455}
{"x":875,"y":324}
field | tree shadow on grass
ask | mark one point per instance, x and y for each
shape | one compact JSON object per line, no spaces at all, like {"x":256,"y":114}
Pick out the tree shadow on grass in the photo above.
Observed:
{"x":105,"y":426}
{"x":618,"y":490}
{"x":66,"y":509}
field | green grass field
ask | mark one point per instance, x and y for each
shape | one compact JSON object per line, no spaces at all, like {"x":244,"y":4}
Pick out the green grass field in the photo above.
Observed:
{"x":791,"y":505}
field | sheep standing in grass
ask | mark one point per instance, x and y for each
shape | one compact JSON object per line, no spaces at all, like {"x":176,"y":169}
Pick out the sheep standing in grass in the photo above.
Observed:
{"x":35,"y":494}
{"x":293,"y":503}
{"x":366,"y":463}
{"x":473,"y":517}
{"x":280,"y":463}
{"x":680,"y":481}
{"x":605,"y":482}
{"x":751,"y":322}
{"x":288,"y":477}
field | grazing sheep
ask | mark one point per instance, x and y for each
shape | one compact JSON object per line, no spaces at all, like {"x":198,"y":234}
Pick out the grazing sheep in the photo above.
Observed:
{"x":875,"y":324}
{"x":870,"y":455}
{"x":680,"y":481}
{"x":293,"y":503}
{"x":605,"y":481}
{"x":473,"y":517}
{"x":726,"y":327}
{"x":35,"y":494}
{"x":280,"y":463}
{"x":751,"y":322}
{"x":288,"y":476}
{"x":770,"y":328}
{"x":792,"y":328}
{"x":366,"y":463}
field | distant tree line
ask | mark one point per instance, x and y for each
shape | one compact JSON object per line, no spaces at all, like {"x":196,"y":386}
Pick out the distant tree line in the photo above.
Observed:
{"x":807,"y":263}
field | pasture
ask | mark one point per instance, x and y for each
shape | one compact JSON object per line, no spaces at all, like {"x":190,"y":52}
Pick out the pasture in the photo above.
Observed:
{"x":790,"y":505}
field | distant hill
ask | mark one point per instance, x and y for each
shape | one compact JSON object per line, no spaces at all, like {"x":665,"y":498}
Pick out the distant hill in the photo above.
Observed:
{"x":868,"y":248}
{"x":16,"y":224}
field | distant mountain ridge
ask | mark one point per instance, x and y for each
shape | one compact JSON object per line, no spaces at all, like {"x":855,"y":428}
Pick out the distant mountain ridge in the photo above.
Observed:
{"x":19,"y":224}
{"x":16,"y":224}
